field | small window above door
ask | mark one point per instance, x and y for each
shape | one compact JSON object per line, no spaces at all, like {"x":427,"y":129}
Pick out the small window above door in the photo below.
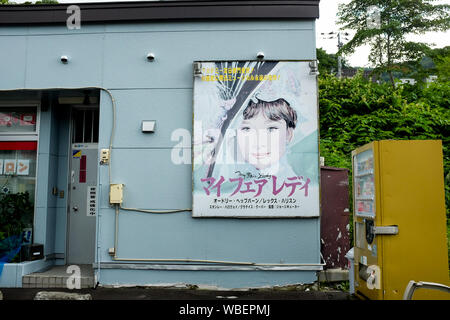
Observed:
{"x":85,"y":125}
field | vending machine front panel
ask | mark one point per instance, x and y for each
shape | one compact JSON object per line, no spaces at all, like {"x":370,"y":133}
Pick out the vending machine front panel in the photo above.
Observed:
{"x":367,"y":246}
{"x":399,"y":218}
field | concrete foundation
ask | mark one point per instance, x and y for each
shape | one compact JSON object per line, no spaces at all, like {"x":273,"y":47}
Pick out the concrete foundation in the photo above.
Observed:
{"x":57,"y":277}
{"x":333,"y":275}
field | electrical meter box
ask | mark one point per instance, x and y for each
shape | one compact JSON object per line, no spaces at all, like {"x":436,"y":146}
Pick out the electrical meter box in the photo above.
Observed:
{"x":399,"y":218}
{"x":116,"y":193}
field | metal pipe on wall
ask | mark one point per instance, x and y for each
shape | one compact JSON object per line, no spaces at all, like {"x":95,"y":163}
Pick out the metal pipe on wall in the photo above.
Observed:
{"x":115,"y":258}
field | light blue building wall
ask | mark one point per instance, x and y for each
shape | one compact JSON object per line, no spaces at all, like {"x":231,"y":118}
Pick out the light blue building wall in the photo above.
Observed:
{"x":113,"y":56}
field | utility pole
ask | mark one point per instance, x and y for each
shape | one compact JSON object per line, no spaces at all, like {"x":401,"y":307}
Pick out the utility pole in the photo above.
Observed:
{"x":340,"y":44}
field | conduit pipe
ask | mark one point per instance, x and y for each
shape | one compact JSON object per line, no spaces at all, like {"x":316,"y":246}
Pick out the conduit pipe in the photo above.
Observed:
{"x":242,"y":263}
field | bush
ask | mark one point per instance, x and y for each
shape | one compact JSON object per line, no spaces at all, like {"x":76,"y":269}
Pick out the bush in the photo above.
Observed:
{"x":16,"y":213}
{"x":354,"y":111}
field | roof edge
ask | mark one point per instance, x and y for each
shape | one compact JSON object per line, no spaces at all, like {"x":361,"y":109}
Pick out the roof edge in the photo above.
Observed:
{"x":111,"y":12}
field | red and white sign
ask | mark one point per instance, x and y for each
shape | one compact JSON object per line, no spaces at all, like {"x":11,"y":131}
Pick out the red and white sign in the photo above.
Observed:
{"x":23,"y":167}
{"x":10,"y":166}
{"x":28,"y":119}
{"x":5,"y":119}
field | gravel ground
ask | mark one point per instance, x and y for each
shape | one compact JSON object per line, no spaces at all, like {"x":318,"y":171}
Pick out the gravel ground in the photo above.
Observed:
{"x":310,"y":292}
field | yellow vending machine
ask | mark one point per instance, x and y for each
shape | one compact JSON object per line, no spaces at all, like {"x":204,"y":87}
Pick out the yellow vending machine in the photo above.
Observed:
{"x":399,"y":218}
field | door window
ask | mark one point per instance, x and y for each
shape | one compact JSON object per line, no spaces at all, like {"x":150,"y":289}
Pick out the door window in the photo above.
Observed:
{"x":18,"y":167}
{"x":85,"y":125}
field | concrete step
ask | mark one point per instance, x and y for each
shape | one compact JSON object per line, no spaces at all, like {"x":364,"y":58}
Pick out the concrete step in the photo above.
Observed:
{"x":333,"y":275}
{"x":57,"y":277}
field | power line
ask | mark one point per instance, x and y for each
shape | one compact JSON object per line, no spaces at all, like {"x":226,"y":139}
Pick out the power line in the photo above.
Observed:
{"x":339,"y":36}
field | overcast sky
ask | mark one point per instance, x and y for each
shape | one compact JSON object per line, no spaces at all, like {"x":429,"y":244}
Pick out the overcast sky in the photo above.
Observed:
{"x":327,"y":23}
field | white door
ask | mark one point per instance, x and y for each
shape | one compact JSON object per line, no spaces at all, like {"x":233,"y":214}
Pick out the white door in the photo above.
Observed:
{"x":83,"y":204}
{"x":83,"y":187}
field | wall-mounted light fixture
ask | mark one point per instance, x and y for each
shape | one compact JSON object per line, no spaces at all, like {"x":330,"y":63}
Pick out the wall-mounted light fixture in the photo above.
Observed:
{"x":314,"y":68}
{"x":64,"y":59}
{"x":150,"y":56}
{"x":197,"y":69}
{"x":260,"y":55}
{"x":148,"y":126}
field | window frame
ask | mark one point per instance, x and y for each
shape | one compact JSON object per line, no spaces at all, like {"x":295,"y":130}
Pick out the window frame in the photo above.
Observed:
{"x":26,"y":136}
{"x":22,"y":136}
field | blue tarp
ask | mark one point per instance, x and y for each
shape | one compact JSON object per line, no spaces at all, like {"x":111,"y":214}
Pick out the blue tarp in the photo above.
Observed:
{"x":9,"y":248}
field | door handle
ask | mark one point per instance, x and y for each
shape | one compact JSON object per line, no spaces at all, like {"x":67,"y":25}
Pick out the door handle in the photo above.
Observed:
{"x":388,"y":230}
{"x":75,"y":208}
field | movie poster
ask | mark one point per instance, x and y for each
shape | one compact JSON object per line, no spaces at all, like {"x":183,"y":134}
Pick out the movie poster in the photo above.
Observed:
{"x":255,"y":140}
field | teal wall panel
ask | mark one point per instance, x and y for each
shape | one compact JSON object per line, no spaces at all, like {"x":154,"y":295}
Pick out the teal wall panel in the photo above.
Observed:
{"x":13,"y":51}
{"x":175,"y":52}
{"x":160,"y":105}
{"x":178,"y":236}
{"x":151,"y":180}
{"x":44,"y":66}
{"x":220,"y":279}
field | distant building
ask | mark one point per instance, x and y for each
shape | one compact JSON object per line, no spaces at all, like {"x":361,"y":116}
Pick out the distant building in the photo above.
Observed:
{"x":431,"y":78}
{"x":350,"y":73}
{"x":407,"y":81}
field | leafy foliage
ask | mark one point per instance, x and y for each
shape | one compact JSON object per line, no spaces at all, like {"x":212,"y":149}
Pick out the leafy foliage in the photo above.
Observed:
{"x":443,"y":68}
{"x":435,"y":63}
{"x":29,"y":2}
{"x":354,"y":112}
{"x":16,"y":212}
{"x":328,"y":62}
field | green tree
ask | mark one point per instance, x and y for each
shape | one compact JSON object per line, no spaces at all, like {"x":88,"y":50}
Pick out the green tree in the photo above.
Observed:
{"x":441,"y":63}
{"x":28,"y":2}
{"x":385,"y":25}
{"x":46,"y":2}
{"x":328,"y":62}
{"x":443,"y":69}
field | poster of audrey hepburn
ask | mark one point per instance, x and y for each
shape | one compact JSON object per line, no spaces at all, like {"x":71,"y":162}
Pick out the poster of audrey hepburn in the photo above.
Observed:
{"x":255,"y":140}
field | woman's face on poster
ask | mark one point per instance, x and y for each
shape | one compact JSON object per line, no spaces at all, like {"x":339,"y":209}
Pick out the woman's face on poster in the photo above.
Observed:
{"x":261,"y":141}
